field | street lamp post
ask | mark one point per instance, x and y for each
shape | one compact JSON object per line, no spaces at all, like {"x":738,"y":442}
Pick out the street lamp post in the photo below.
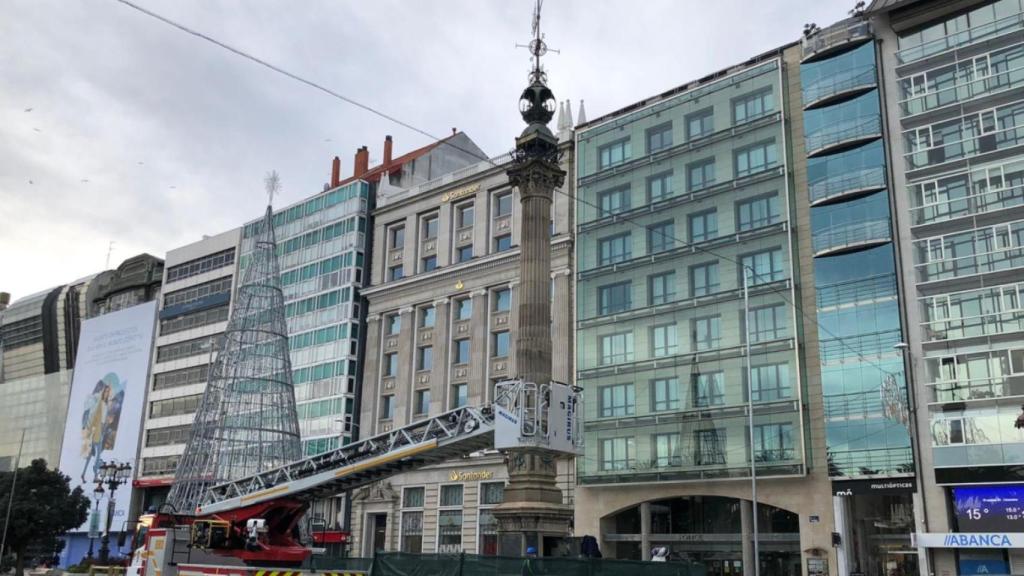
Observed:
{"x":97,"y":495}
{"x":113,"y":475}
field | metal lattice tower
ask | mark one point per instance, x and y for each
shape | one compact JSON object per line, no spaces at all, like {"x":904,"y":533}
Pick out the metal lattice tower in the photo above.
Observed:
{"x":246,"y":422}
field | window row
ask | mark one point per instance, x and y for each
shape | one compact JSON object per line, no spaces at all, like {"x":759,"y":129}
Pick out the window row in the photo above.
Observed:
{"x":181,"y":377}
{"x":197,"y":292}
{"x":174,"y":406}
{"x":450,"y":519}
{"x":699,"y":124}
{"x":977,"y":190}
{"x":462,"y":309}
{"x":707,"y":447}
{"x":974,"y":251}
{"x":312,"y":206}
{"x":168,"y":436}
{"x":323,"y":371}
{"x":188,"y":348}
{"x":325,"y":266}
{"x":194,"y":320}
{"x":322,"y":336}
{"x":989,"y":374}
{"x":978,"y":133}
{"x":325,"y":234}
{"x":201,"y":265}
{"x":319,"y":302}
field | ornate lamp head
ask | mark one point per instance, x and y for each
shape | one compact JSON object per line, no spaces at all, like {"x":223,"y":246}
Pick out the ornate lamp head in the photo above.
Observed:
{"x":537,"y":104}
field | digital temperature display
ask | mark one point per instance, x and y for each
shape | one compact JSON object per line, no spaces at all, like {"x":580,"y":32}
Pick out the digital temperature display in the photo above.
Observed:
{"x":989,"y":508}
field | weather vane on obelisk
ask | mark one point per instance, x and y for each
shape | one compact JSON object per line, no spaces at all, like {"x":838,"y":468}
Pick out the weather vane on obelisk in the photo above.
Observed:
{"x":537,"y":46}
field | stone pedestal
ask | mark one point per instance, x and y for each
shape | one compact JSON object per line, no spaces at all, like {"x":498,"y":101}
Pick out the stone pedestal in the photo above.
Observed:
{"x":532,"y":514}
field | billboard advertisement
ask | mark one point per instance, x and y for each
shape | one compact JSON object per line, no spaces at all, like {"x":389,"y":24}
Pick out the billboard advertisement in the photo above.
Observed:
{"x":108,"y":391}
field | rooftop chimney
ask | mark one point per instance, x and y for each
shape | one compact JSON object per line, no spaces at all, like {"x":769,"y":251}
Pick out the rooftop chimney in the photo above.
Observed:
{"x":5,"y":299}
{"x":387,"y":151}
{"x":335,"y":172}
{"x":362,"y":164}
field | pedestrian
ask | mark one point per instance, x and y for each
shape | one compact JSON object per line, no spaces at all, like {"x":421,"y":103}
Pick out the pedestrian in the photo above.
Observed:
{"x":527,"y":570}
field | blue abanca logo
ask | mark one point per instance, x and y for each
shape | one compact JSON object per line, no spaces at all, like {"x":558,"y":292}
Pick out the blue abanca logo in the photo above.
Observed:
{"x":977,"y":540}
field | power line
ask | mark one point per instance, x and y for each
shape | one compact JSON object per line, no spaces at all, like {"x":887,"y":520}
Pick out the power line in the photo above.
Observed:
{"x":474,"y":154}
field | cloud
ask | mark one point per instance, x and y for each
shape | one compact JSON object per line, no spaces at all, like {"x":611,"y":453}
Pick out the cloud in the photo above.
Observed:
{"x":110,"y":88}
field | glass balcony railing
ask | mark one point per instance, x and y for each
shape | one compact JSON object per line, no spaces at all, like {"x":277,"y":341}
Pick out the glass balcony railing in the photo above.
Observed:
{"x":955,"y":267}
{"x":975,"y":203}
{"x":963,"y":390}
{"x":835,"y":38}
{"x":961,"y":38}
{"x":971,"y":146}
{"x":847,"y":184}
{"x":874,"y":344}
{"x":963,"y":91}
{"x":973,"y":326}
{"x":849,"y":236}
{"x":843,"y":133}
{"x":867,"y":290}
{"x":839,"y":85}
{"x":870,"y":461}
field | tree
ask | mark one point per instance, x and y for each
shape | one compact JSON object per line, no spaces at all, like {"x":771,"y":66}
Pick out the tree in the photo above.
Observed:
{"x":44,"y":508}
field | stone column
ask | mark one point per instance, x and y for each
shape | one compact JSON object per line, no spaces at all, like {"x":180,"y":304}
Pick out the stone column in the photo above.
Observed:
{"x":645,"y":531}
{"x":439,"y":376}
{"x":407,"y":352}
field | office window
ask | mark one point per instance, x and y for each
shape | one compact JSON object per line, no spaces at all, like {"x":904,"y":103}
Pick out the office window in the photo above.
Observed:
{"x":500,"y":343}
{"x":666,"y":450}
{"x":449,"y":531}
{"x":707,"y":332}
{"x":704,"y":279}
{"x":429,"y":263}
{"x":464,"y":215}
{"x":774,"y":442}
{"x":428,"y":317}
{"x":412,"y":497}
{"x":393,"y":324}
{"x":708,"y":389}
{"x":700,"y":175}
{"x":422,"y":402}
{"x":502,"y":243}
{"x":614,"y":249}
{"x":751,"y":106}
{"x":463,"y":309}
{"x":462,"y":351}
{"x":659,"y":137}
{"x":770,"y":382}
{"x":428,"y":225}
{"x":661,"y":237}
{"x":387,"y":407}
{"x":659,"y":186}
{"x":666,"y":394}
{"x":618,"y":400}
{"x":756,"y":158}
{"x":502,"y":204}
{"x":396,"y":237}
{"x":425,"y":358}
{"x":710,"y":447}
{"x":460,"y":395}
{"x":664,"y":340}
{"x":661,"y":288}
{"x":614,"y":201}
{"x":502,"y":299}
{"x":757,"y":212}
{"x":395,"y":272}
{"x":451,"y":495}
{"x":412,"y":531}
{"x":615,"y":153}
{"x":391,"y":364}
{"x":767,"y":323}
{"x":614,"y":297}
{"x":464,"y":253}
{"x":703,"y":226}
{"x":491,"y":494}
{"x":618,"y":453}
{"x":700,"y":124}
{"x":762,"y":267}
{"x":617,"y":348}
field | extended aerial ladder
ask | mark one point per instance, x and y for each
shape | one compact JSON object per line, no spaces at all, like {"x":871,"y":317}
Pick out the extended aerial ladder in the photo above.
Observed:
{"x":254,"y":520}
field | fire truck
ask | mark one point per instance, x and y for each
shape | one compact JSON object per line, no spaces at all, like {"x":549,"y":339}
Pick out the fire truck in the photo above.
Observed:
{"x":250,"y":526}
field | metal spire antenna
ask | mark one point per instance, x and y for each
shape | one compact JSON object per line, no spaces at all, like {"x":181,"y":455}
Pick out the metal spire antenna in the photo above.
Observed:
{"x":537,"y":46}
{"x":246,"y":422}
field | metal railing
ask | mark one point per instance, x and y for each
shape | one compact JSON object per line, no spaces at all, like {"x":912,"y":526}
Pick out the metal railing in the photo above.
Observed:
{"x":872,"y":345}
{"x":965,"y":389}
{"x":959,"y":93}
{"x":861,"y":290}
{"x":961,"y":38}
{"x":834,"y":36}
{"x":974,"y":203}
{"x":973,"y":326}
{"x":837,"y":186}
{"x":849,"y":235}
{"x":981,"y":144}
{"x":860,"y":77}
{"x":833,"y":135}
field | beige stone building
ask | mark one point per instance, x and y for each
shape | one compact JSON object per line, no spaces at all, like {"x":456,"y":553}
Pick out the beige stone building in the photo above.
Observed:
{"x":440,"y":334}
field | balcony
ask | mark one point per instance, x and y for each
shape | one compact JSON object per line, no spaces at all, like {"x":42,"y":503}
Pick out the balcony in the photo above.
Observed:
{"x":998,"y":260}
{"x":961,"y":38}
{"x":835,"y":39}
{"x":964,"y":148}
{"x":975,"y":203}
{"x":978,"y":390}
{"x":843,"y":134}
{"x":849,"y":237}
{"x":839,"y":86}
{"x":963,"y":92}
{"x":975,"y":326}
{"x":847,"y":186}
{"x":869,"y":290}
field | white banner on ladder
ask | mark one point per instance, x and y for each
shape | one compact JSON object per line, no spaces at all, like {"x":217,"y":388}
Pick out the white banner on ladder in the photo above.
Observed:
{"x":560,"y":419}
{"x":506,"y":428}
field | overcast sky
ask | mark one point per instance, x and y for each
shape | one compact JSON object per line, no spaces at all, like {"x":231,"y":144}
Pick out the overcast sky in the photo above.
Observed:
{"x":146,"y":136}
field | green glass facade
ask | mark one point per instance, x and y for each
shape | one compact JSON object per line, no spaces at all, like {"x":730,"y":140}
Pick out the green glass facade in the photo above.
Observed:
{"x":674,"y":201}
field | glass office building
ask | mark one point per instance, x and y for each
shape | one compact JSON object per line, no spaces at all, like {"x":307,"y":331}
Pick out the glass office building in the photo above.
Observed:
{"x":678,"y":199}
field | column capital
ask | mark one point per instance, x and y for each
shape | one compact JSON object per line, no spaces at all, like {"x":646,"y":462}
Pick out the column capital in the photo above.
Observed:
{"x":406,"y":310}
{"x":476,"y":293}
{"x":375,"y":317}
{"x":442,"y":301}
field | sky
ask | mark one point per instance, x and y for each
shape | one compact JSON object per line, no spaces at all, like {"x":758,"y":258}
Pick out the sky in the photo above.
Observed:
{"x":118,"y":128}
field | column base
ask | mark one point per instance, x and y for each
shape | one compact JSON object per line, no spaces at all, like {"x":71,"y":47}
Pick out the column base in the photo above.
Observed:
{"x":538,"y":525}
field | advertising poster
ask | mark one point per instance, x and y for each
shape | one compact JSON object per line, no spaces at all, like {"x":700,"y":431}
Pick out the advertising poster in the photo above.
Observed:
{"x":105,"y":408}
